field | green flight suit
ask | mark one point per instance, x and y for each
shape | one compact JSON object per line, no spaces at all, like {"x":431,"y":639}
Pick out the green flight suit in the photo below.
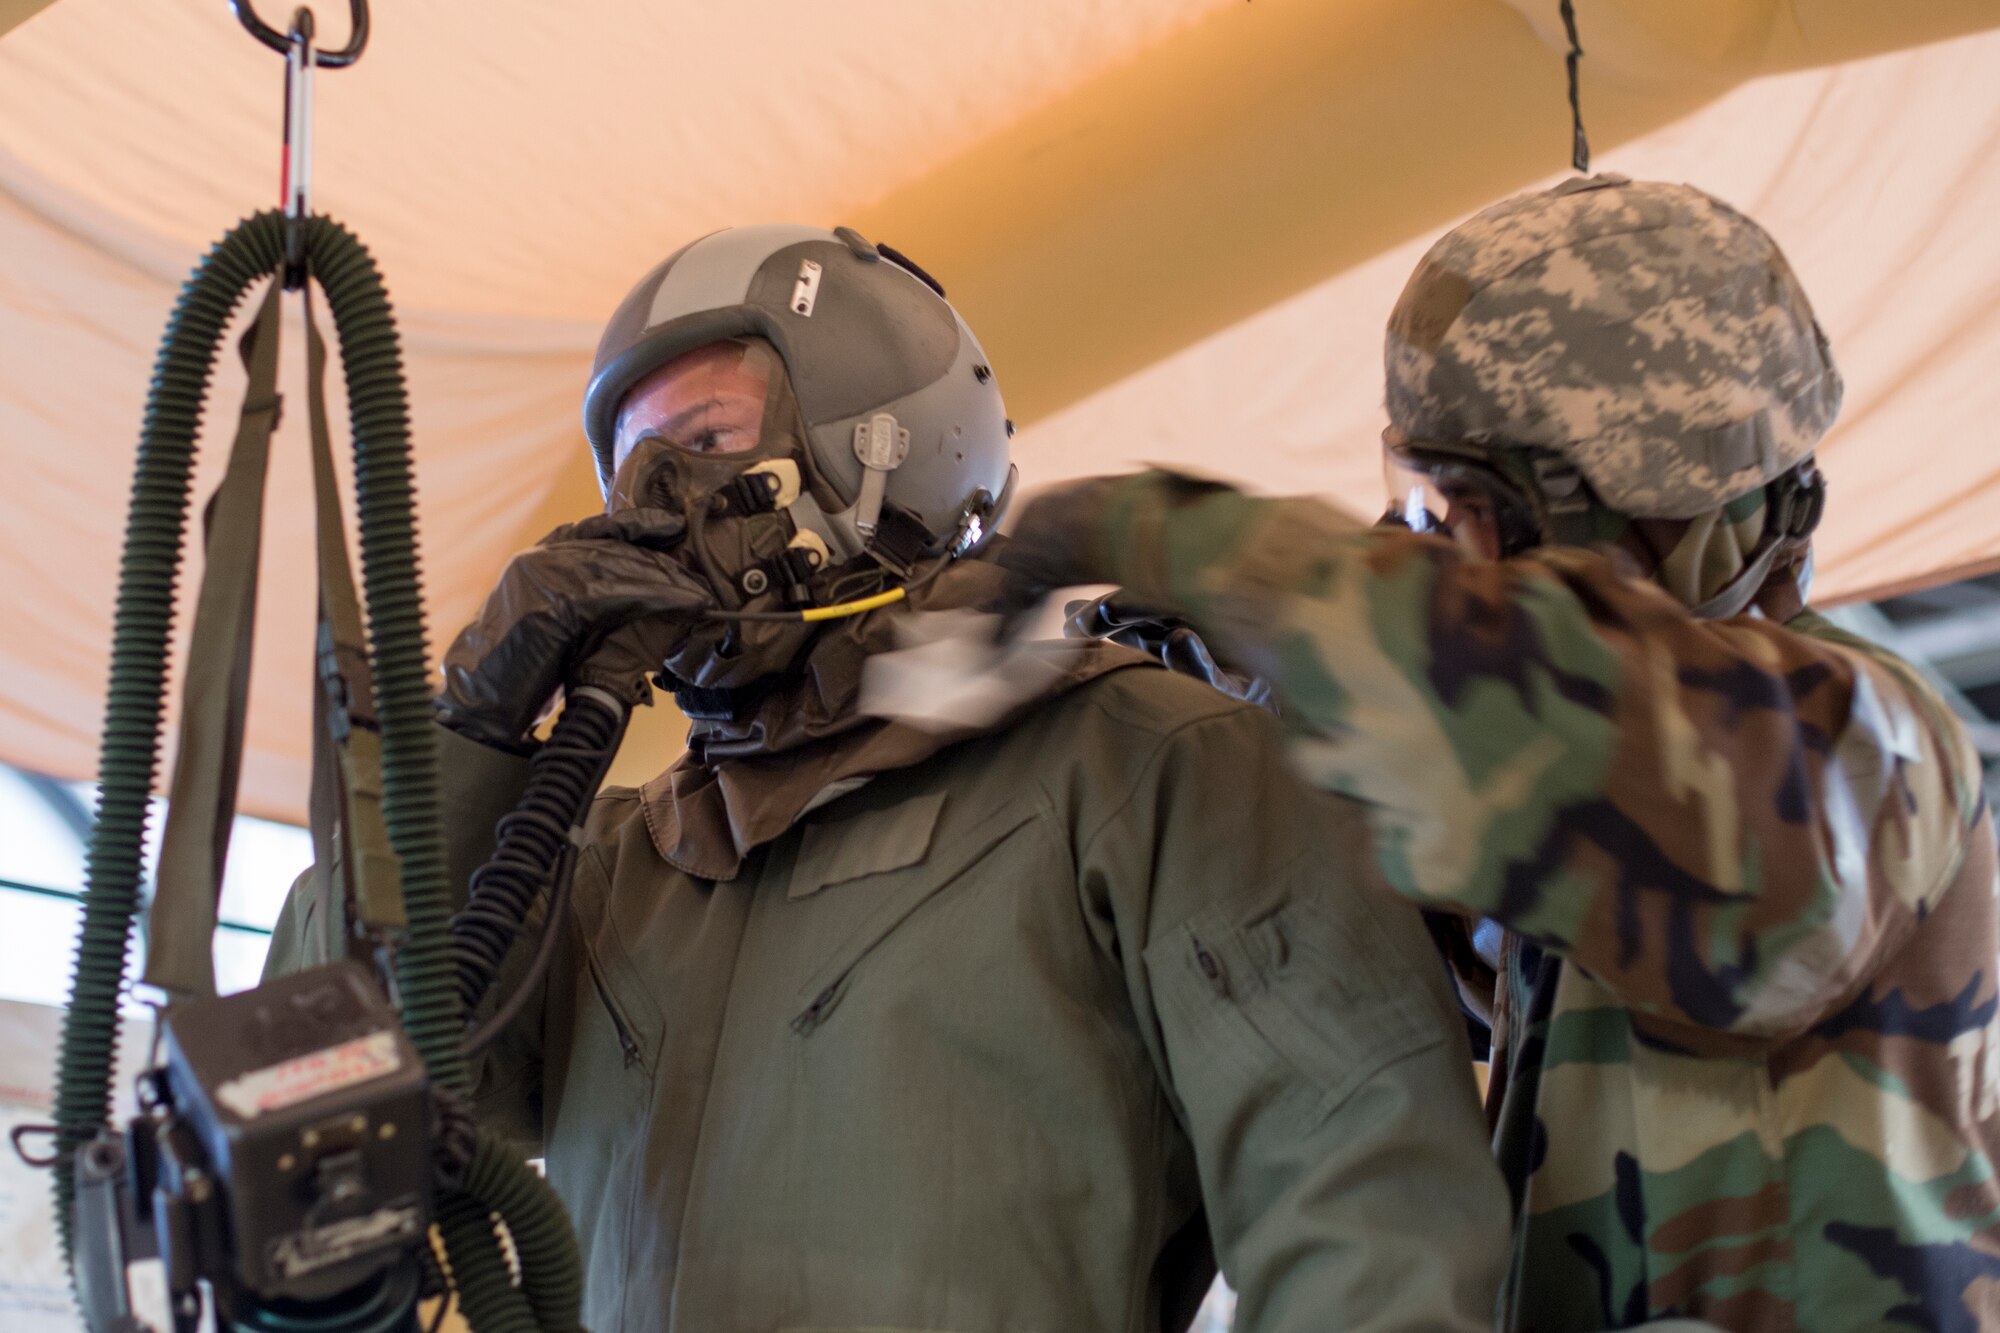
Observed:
{"x":1014,"y":1038}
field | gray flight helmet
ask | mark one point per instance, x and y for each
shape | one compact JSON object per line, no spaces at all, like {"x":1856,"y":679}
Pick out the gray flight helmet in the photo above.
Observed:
{"x":863,"y":338}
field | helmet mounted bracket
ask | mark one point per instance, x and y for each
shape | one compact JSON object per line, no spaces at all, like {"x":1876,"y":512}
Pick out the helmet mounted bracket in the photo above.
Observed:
{"x":881,"y":444}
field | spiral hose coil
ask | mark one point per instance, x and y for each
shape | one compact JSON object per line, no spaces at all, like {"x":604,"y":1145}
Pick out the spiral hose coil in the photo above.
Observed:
{"x":542,"y":1234}
{"x":487,"y":1296}
{"x":562,"y":779}
{"x":149,"y":570}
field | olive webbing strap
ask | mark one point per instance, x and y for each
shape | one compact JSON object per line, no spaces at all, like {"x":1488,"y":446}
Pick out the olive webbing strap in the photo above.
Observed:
{"x":215,"y":695}
{"x":344,"y":707}
{"x":350,"y":838}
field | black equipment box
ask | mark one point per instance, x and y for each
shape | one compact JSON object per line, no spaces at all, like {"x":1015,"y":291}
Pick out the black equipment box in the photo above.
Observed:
{"x":311,"y":1107}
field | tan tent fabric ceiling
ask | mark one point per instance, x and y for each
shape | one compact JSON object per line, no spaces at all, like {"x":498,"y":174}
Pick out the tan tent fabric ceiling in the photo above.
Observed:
{"x":1176,"y":223}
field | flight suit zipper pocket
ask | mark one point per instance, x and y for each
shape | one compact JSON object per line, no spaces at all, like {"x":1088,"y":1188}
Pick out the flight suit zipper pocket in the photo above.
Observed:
{"x":811,"y":1016}
{"x":898,"y":896}
{"x":628,"y":1042}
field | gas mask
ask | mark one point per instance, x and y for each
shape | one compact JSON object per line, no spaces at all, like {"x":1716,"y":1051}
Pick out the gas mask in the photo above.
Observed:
{"x":716,"y":436}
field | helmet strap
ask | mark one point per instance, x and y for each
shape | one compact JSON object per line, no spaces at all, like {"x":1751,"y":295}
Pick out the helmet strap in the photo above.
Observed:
{"x":1740,"y":591}
{"x":1566,"y":502}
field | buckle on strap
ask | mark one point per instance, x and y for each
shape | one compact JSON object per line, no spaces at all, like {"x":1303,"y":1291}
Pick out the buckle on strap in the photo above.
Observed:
{"x":1560,"y":483}
{"x":1803,"y":501}
{"x":343,"y":667}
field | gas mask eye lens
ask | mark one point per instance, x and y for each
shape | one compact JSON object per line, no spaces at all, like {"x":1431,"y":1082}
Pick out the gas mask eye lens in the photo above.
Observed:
{"x":1471,"y":521}
{"x":1418,"y":516}
{"x":719,"y":439}
{"x":1467,"y":504}
{"x":1414,"y":501}
{"x":1467,"y":501}
{"x":711,"y":428}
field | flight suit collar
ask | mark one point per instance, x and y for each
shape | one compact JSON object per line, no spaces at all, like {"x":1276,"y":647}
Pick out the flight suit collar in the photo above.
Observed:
{"x":744,"y":782}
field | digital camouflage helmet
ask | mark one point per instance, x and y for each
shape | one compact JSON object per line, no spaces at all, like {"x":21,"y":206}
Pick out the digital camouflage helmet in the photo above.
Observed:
{"x":1609,"y":350}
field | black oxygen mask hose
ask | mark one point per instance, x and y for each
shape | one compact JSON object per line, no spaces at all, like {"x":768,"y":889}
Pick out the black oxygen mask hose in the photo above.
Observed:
{"x":536,"y":848}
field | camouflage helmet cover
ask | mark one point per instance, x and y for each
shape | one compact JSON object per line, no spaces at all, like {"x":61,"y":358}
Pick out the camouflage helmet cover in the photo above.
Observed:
{"x":1647,"y":332}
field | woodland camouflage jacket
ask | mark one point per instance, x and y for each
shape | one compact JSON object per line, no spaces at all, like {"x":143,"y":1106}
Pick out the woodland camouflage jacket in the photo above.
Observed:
{"x":1745,"y":1043}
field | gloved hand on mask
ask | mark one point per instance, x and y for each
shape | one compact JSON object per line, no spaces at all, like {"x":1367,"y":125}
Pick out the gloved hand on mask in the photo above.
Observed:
{"x":597,"y":603}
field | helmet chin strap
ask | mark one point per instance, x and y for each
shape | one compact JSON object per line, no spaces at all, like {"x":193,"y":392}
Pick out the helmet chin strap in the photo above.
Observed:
{"x":1565,"y":502}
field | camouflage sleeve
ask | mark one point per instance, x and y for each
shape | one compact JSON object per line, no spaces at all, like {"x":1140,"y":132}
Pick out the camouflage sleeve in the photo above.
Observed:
{"x":1729,"y":823}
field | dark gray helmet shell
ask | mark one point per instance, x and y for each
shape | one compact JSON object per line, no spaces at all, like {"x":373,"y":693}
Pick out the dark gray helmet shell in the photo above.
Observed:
{"x":859,"y":335}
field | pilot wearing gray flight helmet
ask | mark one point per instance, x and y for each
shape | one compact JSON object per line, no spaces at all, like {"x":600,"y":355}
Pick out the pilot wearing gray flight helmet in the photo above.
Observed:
{"x":1017,"y":1019}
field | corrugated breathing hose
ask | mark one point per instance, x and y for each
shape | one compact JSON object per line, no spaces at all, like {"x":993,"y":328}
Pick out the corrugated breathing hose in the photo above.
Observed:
{"x":543,"y":1238}
{"x":149,"y":570}
{"x":562,"y":779}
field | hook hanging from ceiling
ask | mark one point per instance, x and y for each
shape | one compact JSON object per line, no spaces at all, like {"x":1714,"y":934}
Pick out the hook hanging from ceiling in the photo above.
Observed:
{"x":302,"y":56}
{"x":357,"y":38}
{"x":1579,"y":152}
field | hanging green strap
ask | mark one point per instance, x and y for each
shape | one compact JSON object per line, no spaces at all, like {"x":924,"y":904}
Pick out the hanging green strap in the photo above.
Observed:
{"x":201,"y":801}
{"x":349,"y":770}
{"x":350,"y":837}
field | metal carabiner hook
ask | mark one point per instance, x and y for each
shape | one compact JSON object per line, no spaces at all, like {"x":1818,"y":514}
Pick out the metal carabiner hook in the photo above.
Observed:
{"x":295,"y":178}
{"x":357,"y":38}
{"x":302,"y":57}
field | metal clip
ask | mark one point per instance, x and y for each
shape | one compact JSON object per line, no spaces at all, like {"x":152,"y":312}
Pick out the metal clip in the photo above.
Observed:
{"x":301,"y":58}
{"x":357,"y":38}
{"x":805,"y":292}
{"x":1561,"y":484}
{"x":881,"y":444}
{"x":295,"y":177}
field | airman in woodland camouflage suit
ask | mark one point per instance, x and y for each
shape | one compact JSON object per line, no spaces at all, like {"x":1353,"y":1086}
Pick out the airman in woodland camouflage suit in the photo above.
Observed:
{"x":1743,"y":1009}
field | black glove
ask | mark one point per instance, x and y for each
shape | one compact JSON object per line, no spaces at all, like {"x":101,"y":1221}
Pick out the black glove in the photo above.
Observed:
{"x":597,"y":603}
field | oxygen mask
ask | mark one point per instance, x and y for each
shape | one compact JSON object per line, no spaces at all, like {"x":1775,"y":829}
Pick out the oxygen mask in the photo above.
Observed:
{"x":716,"y":436}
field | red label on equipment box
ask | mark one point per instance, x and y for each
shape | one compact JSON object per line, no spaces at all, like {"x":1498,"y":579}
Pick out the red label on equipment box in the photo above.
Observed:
{"x":277,"y":1086}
